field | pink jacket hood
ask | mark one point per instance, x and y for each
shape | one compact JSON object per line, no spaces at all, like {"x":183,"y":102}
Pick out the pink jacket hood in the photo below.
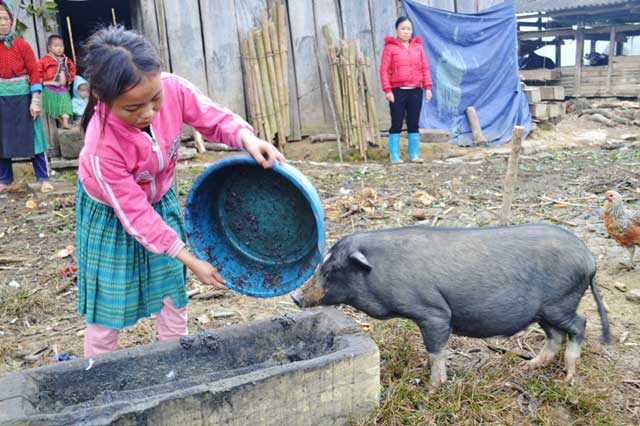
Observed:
{"x":129,"y":170}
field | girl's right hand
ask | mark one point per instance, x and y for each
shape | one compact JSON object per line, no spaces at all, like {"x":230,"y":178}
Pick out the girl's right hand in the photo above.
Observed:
{"x":390,"y":97}
{"x":203,"y":270}
{"x":208,"y":274}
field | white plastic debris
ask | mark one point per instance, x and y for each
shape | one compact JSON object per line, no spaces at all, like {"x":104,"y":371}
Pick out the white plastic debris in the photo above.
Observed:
{"x":90,"y":364}
{"x":14,"y":284}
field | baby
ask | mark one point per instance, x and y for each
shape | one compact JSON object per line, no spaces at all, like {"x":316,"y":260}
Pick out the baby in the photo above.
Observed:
{"x":80,"y":97}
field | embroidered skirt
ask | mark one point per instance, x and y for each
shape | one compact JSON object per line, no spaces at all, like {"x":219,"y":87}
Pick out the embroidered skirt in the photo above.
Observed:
{"x":119,"y":281}
{"x":56,"y":101}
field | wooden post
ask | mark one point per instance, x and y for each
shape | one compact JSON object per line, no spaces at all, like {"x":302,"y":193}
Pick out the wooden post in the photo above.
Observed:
{"x":199,"y":141}
{"x":579,"y":59}
{"x":511,"y":177}
{"x":612,"y":53}
{"x":476,"y":128}
{"x":558,"y":52}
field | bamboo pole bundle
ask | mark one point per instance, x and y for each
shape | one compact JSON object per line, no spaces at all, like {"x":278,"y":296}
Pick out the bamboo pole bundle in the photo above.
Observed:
{"x":353,"y":94}
{"x":264,"y":51}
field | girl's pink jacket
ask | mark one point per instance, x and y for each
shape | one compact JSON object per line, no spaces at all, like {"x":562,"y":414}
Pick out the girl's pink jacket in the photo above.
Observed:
{"x":129,"y":170}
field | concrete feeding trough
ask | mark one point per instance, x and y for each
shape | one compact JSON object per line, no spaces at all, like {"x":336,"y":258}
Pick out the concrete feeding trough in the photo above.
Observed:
{"x":314,"y":367}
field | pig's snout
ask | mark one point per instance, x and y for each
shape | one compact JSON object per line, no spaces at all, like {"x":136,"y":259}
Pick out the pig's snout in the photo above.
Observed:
{"x":298,"y":299}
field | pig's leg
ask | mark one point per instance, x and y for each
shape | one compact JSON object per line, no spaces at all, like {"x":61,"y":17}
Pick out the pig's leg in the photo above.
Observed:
{"x":552,"y":344}
{"x":435,"y":333}
{"x":575,"y":329}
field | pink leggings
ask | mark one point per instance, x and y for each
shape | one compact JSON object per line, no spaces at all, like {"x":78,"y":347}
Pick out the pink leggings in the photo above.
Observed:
{"x":171,"y":323}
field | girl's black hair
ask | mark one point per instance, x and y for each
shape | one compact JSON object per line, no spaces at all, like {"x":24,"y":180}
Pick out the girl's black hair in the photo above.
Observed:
{"x":54,"y":37}
{"x":401,"y":19}
{"x":115,"y":61}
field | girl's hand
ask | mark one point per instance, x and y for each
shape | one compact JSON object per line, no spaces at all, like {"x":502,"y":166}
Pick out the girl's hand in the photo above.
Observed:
{"x":428,"y":95}
{"x":205,"y":272}
{"x":263,"y":152}
{"x":390,"y":97}
{"x":34,"y":109}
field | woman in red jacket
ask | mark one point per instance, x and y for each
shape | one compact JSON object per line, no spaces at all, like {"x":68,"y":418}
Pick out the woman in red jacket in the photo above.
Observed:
{"x":404,"y":73}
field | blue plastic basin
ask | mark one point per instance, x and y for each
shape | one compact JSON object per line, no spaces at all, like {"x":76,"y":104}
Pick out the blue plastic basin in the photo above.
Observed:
{"x":262,"y":229}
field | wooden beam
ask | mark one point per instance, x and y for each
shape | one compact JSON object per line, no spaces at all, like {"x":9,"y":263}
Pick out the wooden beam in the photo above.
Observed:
{"x":564,"y":32}
{"x":579,"y":60}
{"x":612,"y":52}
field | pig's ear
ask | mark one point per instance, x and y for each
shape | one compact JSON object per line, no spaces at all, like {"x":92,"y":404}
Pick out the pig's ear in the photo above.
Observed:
{"x":359,"y":258}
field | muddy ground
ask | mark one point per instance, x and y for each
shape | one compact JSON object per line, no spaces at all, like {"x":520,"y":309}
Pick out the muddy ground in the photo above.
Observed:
{"x":564,"y":173}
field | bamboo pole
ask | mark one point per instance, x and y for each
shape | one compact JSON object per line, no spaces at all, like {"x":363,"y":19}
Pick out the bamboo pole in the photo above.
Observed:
{"x":354,"y":88}
{"x":283,"y":49}
{"x":282,"y":104}
{"x":252,"y":96}
{"x":73,"y":47}
{"x":373,"y":115}
{"x":266,"y":84}
{"x":335,"y":77}
{"x":323,"y":80}
{"x":273,"y":80}
{"x":257,"y":78}
{"x":113,"y":16}
{"x":511,"y":177}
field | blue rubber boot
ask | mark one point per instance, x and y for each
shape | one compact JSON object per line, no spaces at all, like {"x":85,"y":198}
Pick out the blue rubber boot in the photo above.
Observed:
{"x":394,"y":147}
{"x":414,"y":148}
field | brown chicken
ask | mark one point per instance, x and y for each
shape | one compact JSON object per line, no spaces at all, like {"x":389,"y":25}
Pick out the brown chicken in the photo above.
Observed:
{"x":623,"y":225}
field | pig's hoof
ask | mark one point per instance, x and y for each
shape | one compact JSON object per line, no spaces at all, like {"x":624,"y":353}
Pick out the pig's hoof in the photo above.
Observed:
{"x":534,"y":363}
{"x":570,"y":379}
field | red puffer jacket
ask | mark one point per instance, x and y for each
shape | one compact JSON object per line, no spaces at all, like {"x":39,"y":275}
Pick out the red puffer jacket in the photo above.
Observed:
{"x":404,"y":67}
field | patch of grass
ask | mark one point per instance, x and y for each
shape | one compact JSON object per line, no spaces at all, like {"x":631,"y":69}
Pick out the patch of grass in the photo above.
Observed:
{"x":20,"y":302}
{"x":184,"y":186}
{"x":489,"y":390}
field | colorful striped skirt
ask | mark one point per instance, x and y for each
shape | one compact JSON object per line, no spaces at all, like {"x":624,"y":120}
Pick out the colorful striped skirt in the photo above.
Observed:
{"x":56,"y":101}
{"x":119,"y":281}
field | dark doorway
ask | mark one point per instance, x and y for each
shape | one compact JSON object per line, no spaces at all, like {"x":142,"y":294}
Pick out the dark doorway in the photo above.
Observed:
{"x":86,"y":16}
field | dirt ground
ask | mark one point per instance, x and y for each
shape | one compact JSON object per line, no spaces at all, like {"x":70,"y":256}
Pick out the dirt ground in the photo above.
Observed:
{"x":564,"y":172}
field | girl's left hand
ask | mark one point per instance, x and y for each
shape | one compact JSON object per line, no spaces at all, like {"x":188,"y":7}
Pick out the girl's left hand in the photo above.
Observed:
{"x":262,"y":151}
{"x":428,"y":95}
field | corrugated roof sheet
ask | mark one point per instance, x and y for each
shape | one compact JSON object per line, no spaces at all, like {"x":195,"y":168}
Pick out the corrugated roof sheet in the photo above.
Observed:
{"x":527,"y":6}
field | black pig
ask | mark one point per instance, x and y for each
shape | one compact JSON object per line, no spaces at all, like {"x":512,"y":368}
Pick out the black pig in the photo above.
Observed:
{"x":472,"y":282}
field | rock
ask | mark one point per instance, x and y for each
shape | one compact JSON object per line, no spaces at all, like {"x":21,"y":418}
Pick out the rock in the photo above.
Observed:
{"x":484,"y":218}
{"x":620,"y":286}
{"x":434,"y":136}
{"x":186,"y":153}
{"x":634,"y":296}
{"x":71,"y":142}
{"x":419,"y":214}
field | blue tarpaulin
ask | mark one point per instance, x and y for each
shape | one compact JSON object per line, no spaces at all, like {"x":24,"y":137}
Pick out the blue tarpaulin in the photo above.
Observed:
{"x":474,"y":62}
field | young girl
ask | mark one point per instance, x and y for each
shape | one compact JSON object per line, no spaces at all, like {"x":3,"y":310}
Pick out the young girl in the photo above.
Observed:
{"x":21,"y":130}
{"x":404,"y":73}
{"x":130,"y":235}
{"x":57,"y":72}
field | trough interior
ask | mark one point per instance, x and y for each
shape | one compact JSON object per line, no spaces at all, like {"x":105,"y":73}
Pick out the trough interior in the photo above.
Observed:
{"x":205,"y":358}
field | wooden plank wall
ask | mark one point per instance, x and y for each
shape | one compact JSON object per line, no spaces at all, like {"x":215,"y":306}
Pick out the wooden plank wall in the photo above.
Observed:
{"x":625,"y":79}
{"x":201,"y":42}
